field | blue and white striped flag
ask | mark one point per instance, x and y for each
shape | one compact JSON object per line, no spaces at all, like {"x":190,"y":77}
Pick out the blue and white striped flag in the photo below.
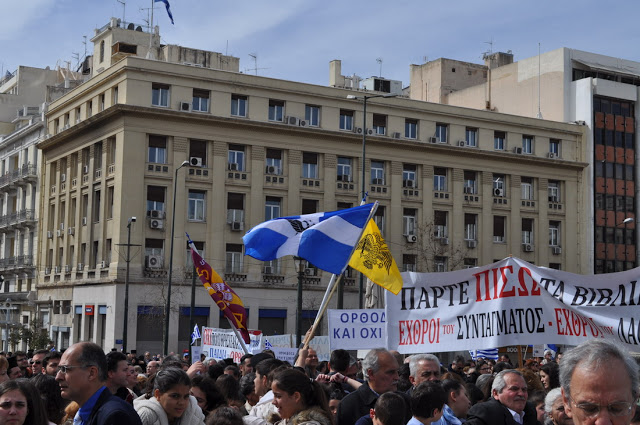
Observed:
{"x":325,"y":239}
{"x":195,"y":335}
{"x":490,"y":353}
{"x":166,"y":3}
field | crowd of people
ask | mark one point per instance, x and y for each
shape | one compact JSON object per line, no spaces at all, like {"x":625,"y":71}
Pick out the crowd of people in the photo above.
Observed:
{"x":594,"y":383}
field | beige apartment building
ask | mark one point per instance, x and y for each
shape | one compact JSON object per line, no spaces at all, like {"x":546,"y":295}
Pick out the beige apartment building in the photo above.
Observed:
{"x":453,"y":188}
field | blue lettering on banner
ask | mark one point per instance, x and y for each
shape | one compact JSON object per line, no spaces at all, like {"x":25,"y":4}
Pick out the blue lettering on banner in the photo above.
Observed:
{"x":363,"y":318}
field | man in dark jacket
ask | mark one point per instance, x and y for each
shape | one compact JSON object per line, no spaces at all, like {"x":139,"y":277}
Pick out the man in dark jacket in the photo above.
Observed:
{"x":81,"y":374}
{"x":507,"y":405}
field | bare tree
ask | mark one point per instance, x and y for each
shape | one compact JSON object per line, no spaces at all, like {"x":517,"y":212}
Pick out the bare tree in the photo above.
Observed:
{"x":435,"y":251}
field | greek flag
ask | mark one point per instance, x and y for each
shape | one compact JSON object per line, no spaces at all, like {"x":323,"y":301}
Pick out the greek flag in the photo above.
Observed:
{"x":195,"y":335}
{"x":325,"y":239}
{"x":166,"y":3}
{"x":267,"y":345}
{"x":490,"y":353}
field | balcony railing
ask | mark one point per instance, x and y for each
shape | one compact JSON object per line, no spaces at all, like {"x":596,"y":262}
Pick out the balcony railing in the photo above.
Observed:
{"x":19,"y":262}
{"x":18,"y":218}
{"x":26,"y":172}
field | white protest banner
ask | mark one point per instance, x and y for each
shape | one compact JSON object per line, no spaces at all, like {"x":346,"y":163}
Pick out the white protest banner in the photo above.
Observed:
{"x":282,"y":341}
{"x":321,"y":345}
{"x":357,"y":329}
{"x":511,"y":302}
{"x":222,"y":344}
{"x":285,"y":354}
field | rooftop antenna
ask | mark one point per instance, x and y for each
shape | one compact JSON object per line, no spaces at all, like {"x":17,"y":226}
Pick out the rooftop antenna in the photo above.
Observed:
{"x":76,"y":56}
{"x":255,"y":62}
{"x":490,"y":43}
{"x":85,"y":46}
{"x":124,"y":8}
{"x":379,"y":60}
{"x":539,"y":110}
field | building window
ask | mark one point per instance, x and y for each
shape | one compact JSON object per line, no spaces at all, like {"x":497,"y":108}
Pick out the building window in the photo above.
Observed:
{"x":312,"y":115}
{"x":554,"y":147}
{"x":471,"y":137}
{"x":469,"y":263}
{"x":110,"y":202}
{"x":198,"y":149}
{"x":441,"y":132}
{"x":499,"y":228}
{"x":234,"y":258}
{"x":197,"y":205}
{"x":96,"y":206}
{"x":236,"y":158}
{"x":200,"y":102}
{"x":526,"y":186}
{"x":409,"y":262}
{"x":554,"y":190}
{"x":309,"y":206}
{"x":527,"y":144}
{"x":238,"y":105}
{"x":155,"y":199}
{"x":200,"y":248}
{"x":344,"y":205}
{"x":409,"y":172}
{"x":409,"y":221}
{"x":378,"y":217}
{"x":272,"y":208}
{"x":440,"y":224}
{"x":115,"y":95}
{"x":100,"y":105}
{"x":527,"y":230}
{"x":274,"y":160}
{"x":499,"y":189}
{"x":346,"y":120}
{"x":439,"y":179}
{"x":154,"y":247}
{"x":160,"y":95}
{"x":554,"y":233}
{"x":440,"y":264}
{"x":276,"y":110}
{"x":470,"y":182}
{"x":471,"y":227}
{"x":498,"y":140}
{"x":377,"y":172}
{"x":344,"y":169}
{"x":102,"y":51}
{"x":380,"y":124}
{"x":235,"y":208}
{"x":411,"y":129}
{"x":309,"y":165}
{"x":157,"y":149}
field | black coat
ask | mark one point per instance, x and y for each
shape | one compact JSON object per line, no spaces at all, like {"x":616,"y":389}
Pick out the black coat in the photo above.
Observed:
{"x":111,"y":410}
{"x":492,"y":412}
{"x":356,"y":404}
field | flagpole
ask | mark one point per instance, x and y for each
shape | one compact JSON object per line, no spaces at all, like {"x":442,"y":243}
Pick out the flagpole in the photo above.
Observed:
{"x":332,"y":283}
{"x":149,"y":54}
{"x":238,"y":336}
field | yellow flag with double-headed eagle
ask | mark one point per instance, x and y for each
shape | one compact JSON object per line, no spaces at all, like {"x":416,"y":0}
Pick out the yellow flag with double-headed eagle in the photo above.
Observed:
{"x":373,"y":259}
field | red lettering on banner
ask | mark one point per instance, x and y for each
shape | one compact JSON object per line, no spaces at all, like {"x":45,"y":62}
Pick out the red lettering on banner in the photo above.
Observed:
{"x":488,"y":282}
{"x":415,"y":331}
{"x":575,"y":324}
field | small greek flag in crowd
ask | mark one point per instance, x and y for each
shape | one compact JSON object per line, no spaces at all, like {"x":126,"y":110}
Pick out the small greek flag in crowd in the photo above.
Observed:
{"x":195,"y":335}
{"x":166,"y":3}
{"x":490,"y":353}
{"x":267,"y":345}
{"x":325,"y":239}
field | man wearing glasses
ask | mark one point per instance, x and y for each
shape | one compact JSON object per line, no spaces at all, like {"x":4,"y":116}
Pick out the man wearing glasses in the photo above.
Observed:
{"x":81,"y":374}
{"x":599,"y":384}
{"x":422,"y":368}
{"x":36,"y":361}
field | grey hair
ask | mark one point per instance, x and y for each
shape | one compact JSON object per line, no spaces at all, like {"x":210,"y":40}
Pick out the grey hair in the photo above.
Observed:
{"x":499,"y":382}
{"x":551,"y":398}
{"x":596,"y":354}
{"x":417,"y":358}
{"x":371,"y":361}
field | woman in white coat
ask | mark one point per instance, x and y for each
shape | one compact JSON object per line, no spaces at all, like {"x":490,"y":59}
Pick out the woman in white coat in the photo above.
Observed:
{"x":171,"y":403}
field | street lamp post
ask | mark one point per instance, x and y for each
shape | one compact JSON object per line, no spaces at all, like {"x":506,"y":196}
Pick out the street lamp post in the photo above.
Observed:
{"x":364,"y":99}
{"x":173,"y":229}
{"x":299,"y":262}
{"x":126,"y":287}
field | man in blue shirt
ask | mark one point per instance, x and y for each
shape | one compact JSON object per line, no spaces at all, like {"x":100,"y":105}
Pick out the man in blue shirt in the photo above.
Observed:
{"x":81,"y":374}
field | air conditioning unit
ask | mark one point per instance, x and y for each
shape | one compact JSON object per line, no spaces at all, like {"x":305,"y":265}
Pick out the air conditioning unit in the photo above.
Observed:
{"x":344,"y":178}
{"x":49,"y":234}
{"x":80,"y":267}
{"x":59,"y":233}
{"x":556,"y":250}
{"x":552,"y":155}
{"x":156,"y":223}
{"x":412,"y":238}
{"x":517,"y":150}
{"x":270,"y":169}
{"x":370,"y":132}
{"x":85,"y":169}
{"x":185,"y":106}
{"x":498,"y":192}
{"x":237,"y":226}
{"x":409,"y":183}
{"x":233,"y":166}
{"x":310,"y":272}
{"x":397,"y":135}
{"x":56,"y":269}
{"x":72,"y":231}
{"x":84,"y":221}
{"x":357,"y":130}
{"x":154,"y":261}
{"x":66,"y":127}
{"x":63,"y":178}
{"x":472,"y":244}
{"x":468,"y":190}
{"x":462,"y":143}
{"x":156,"y":213}
{"x":434,"y":140}
{"x":444,"y":241}
{"x":67,"y":268}
{"x":376,"y":181}
{"x":292,"y":120}
{"x":527,"y":247}
{"x":267,"y":270}
{"x":303,"y":123}
{"x":47,"y":270}
{"x":194,"y":161}
{"x":103,"y":264}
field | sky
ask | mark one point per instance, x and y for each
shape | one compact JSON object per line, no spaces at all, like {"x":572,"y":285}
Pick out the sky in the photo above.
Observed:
{"x":296,"y":39}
